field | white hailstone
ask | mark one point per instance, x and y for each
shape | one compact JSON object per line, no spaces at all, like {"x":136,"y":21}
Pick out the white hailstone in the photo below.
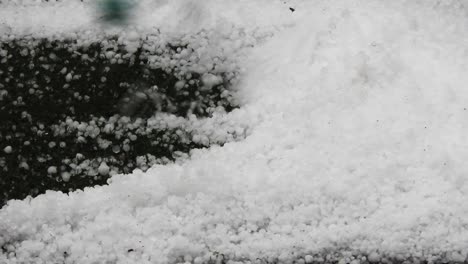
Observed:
{"x":8,"y":149}
{"x":92,"y":172}
{"x":103,"y":143}
{"x":132,"y":46}
{"x":52,"y":170}
{"x":52,"y":56}
{"x":89,"y":130}
{"x":210,"y":80}
{"x":124,"y":119}
{"x":126,"y":148}
{"x":52,"y":144}
{"x":24,"y":52}
{"x":373,"y":257}
{"x":179,"y":85}
{"x":309,"y":259}
{"x":85,"y":57}
{"x":141,"y":95}
{"x":84,"y":164}
{"x":188,"y":258}
{"x":116,"y":149}
{"x":133,"y":36}
{"x":110,"y":54}
{"x":69,"y":77}
{"x":108,"y":128}
{"x":24,"y":165}
{"x":3,"y":93}
{"x":179,"y":132}
{"x":66,"y":176}
{"x":64,"y":70}
{"x":457,"y":257}
{"x":95,"y":132}
{"x":63,"y":144}
{"x":141,"y":160}
{"x":103,"y":169}
{"x":184,"y":53}
{"x":10,"y":248}
{"x":24,"y":115}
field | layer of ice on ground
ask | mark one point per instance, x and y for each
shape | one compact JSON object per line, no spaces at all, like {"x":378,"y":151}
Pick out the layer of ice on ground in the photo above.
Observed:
{"x":358,"y":116}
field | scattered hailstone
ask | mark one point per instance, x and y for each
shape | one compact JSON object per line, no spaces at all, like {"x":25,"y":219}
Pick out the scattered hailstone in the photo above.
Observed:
{"x":24,"y":165}
{"x":179,"y":85}
{"x":69,"y":77}
{"x":198,"y":260}
{"x":133,"y":36}
{"x":66,"y":176}
{"x":8,"y":149}
{"x":210,"y":80}
{"x":52,"y":170}
{"x":116,"y":149}
{"x":24,"y":52}
{"x":103,"y":169}
{"x":374,"y":257}
{"x":126,"y":148}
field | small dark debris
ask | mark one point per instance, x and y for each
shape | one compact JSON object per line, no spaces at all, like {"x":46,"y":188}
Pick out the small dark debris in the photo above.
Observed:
{"x":292,"y":9}
{"x":130,"y":250}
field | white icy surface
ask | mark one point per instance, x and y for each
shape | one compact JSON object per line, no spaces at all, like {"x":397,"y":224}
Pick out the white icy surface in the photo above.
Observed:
{"x":357,"y":144}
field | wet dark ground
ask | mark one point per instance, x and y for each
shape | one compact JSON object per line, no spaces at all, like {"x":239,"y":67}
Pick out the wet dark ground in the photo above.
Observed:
{"x":70,"y":116}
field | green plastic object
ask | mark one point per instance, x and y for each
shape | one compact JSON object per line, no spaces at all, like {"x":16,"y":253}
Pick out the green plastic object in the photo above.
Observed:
{"x":115,"y":11}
